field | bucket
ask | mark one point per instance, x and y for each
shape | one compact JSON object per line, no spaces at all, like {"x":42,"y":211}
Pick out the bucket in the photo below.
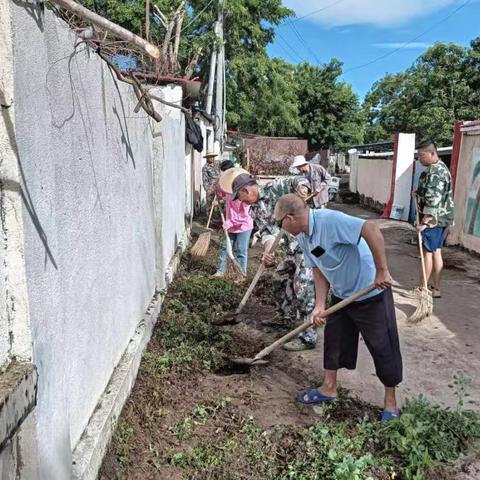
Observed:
{"x":397,"y":212}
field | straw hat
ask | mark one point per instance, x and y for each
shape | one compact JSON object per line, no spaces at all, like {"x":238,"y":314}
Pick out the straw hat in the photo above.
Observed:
{"x":211,"y":154}
{"x":227,"y":177}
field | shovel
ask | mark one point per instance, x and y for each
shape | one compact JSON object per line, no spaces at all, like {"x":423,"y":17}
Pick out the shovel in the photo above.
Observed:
{"x":231,"y":318}
{"x":259,"y":358}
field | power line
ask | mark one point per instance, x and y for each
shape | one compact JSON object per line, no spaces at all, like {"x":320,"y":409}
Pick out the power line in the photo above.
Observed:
{"x":326,"y":7}
{"x":290,"y":48}
{"x":302,"y":40}
{"x":198,"y":15}
{"x":385,"y":55}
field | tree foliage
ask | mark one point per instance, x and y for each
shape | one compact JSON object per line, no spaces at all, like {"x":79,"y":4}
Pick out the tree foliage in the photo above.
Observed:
{"x":330,"y":114}
{"x":440,"y":88}
{"x":261,"y":96}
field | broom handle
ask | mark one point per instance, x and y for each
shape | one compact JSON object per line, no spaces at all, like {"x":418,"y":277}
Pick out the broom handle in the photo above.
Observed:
{"x":420,"y":246}
{"x":227,"y":238}
{"x":257,"y":276}
{"x":308,"y":323}
{"x":211,"y":209}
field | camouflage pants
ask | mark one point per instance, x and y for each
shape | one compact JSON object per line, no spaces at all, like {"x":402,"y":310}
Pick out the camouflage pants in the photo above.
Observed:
{"x":294,"y":293}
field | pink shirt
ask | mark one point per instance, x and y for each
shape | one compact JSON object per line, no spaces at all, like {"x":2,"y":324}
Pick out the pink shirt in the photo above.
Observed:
{"x":238,"y":218}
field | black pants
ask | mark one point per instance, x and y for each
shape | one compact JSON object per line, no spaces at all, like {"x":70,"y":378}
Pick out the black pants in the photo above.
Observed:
{"x":375,"y":319}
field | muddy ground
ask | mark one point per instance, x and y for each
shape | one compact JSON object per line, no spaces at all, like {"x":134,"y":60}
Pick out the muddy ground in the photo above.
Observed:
{"x":192,"y":406}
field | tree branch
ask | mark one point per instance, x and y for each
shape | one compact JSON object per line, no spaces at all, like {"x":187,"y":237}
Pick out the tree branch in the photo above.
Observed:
{"x":105,"y":24}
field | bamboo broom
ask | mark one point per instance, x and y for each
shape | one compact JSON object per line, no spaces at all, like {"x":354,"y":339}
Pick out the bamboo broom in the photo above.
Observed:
{"x":233,"y":271}
{"x":201,"y":246}
{"x":425,"y":306}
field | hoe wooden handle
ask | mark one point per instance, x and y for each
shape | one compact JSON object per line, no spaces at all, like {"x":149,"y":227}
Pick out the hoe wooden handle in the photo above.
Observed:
{"x":257,"y":276}
{"x":307,"y":324}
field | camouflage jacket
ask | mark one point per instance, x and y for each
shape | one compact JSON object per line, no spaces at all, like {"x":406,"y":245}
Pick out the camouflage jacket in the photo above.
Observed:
{"x":210,"y":174}
{"x":263,"y":210}
{"x":435,"y":196}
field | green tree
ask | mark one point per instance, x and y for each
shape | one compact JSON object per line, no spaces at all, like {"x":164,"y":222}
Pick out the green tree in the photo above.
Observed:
{"x":381,"y":108}
{"x":249,"y":25}
{"x":330,"y":114}
{"x":261,"y":96}
{"x":439,"y":89}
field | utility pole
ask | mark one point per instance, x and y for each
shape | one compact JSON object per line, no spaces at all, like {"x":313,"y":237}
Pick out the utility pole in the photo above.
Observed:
{"x":211,"y":76}
{"x":219,"y":94}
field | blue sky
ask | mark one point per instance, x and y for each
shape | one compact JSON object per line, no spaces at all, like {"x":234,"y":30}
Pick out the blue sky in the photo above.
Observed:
{"x":359,"y":31}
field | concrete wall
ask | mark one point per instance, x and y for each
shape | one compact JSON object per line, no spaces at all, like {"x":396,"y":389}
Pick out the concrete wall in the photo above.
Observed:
{"x":404,"y":161}
{"x":466,"y":191}
{"x":373,"y":179}
{"x":105,"y":193}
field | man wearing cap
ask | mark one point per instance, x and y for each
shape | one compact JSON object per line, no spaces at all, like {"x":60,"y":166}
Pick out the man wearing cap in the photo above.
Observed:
{"x":318,"y":177}
{"x":210,"y":174}
{"x":347,"y":254}
{"x":292,"y":282}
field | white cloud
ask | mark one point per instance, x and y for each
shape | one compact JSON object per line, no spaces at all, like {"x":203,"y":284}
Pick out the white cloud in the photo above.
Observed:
{"x":376,"y":12}
{"x":413,"y":45}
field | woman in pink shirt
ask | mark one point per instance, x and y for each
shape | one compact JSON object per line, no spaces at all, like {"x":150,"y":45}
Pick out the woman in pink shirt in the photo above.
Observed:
{"x":239,"y":226}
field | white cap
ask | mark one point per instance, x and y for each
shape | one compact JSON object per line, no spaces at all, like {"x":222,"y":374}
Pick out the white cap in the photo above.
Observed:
{"x":298,"y":161}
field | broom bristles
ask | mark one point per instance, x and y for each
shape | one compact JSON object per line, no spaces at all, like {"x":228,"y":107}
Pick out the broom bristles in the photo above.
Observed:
{"x":425,"y":306}
{"x":201,"y":246}
{"x":234,"y":271}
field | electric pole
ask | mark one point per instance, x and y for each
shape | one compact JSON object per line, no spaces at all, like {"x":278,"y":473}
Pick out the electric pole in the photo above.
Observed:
{"x":219,"y":94}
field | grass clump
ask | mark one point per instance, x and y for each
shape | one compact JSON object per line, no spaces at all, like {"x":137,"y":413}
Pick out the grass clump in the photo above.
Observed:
{"x":410,"y":448}
{"x":185,"y":337}
{"x":427,"y":435}
{"x":203,"y":294}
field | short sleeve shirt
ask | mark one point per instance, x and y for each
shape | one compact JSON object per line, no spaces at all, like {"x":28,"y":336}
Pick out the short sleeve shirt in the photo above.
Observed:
{"x":335,"y":246}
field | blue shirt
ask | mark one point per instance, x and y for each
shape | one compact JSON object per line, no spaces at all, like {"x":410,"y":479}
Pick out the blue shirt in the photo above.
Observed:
{"x":339,"y":252}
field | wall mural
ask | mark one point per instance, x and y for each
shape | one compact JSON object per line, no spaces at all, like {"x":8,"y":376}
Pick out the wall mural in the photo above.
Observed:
{"x":472,"y":220}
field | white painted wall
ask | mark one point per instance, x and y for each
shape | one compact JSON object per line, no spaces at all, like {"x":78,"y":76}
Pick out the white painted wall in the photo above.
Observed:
{"x":106,"y":194}
{"x":374,"y":178}
{"x":353,"y":179}
{"x":404,"y":172}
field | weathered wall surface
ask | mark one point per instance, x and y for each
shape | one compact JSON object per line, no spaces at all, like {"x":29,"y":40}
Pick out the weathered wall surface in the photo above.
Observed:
{"x":466,"y":230}
{"x":106,"y":192}
{"x":373,"y":179}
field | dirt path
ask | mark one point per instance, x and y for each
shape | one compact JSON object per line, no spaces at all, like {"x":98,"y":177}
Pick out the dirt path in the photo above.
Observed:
{"x":168,"y":411}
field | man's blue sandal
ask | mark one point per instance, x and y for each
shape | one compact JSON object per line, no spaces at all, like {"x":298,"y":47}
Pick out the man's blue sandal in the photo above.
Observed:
{"x":314,"y":397}
{"x":387,"y":416}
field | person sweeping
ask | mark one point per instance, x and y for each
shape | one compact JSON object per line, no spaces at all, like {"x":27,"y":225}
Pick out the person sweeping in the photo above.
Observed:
{"x":434,"y":196}
{"x":239,"y":225}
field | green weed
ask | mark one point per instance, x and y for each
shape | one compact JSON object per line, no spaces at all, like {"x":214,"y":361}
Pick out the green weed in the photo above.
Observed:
{"x":124,"y":434}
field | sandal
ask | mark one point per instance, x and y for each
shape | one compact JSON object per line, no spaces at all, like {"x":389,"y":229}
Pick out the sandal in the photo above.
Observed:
{"x":314,"y":397}
{"x":387,"y":416}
